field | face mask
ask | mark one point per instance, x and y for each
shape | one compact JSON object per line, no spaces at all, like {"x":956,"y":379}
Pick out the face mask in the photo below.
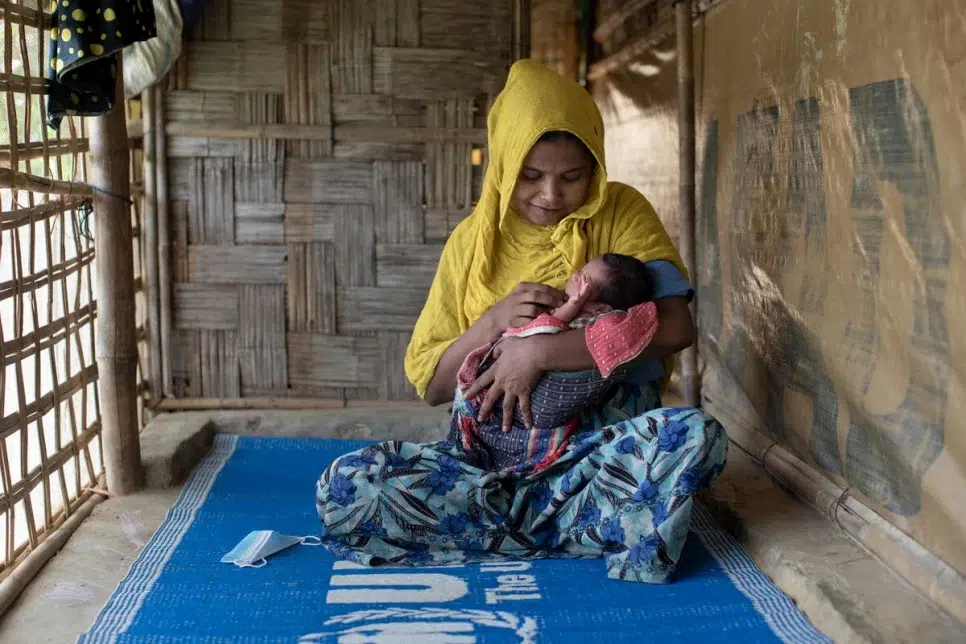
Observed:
{"x":258,"y":545}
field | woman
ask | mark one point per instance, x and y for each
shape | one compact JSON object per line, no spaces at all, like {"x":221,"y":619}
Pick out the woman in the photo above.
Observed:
{"x":624,"y":488}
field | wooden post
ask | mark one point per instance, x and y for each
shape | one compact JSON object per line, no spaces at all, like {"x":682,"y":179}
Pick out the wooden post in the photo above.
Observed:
{"x":686,"y":134}
{"x":116,"y":344}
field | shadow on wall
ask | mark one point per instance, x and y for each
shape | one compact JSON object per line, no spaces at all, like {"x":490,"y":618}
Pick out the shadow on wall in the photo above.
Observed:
{"x":843,"y":321}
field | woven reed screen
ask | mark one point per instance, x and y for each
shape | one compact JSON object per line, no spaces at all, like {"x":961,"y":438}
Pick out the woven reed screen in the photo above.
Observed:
{"x":319,"y":153}
{"x":50,"y":453}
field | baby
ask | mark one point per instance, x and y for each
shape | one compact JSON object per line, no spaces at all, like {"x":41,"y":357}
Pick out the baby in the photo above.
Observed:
{"x":597,"y":297}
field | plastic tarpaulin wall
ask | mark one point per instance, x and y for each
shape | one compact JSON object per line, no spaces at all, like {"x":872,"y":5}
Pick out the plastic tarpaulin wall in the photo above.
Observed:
{"x":831,"y":236}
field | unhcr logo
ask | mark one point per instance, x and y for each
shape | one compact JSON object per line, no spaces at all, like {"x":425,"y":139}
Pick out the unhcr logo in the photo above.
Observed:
{"x":419,"y":622}
{"x":436,"y":625}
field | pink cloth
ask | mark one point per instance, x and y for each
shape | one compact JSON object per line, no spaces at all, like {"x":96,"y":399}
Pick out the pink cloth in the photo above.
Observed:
{"x":617,"y":338}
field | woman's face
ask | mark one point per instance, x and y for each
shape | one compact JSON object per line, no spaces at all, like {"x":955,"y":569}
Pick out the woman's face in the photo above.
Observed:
{"x":553,"y":182}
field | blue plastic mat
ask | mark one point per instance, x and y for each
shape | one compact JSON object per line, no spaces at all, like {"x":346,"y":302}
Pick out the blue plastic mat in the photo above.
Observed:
{"x":179,"y":591}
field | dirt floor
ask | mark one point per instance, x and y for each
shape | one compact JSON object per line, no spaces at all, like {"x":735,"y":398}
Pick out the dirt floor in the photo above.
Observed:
{"x":841,"y":588}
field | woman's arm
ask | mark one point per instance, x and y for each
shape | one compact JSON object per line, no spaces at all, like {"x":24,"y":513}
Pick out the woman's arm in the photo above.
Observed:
{"x":443,"y":382}
{"x":523,"y":304}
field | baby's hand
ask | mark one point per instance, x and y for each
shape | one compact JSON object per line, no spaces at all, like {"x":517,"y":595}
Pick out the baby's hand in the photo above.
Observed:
{"x":584,"y":287}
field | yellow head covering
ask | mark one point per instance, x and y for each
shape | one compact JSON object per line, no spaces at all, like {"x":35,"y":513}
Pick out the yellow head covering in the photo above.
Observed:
{"x":494,"y":249}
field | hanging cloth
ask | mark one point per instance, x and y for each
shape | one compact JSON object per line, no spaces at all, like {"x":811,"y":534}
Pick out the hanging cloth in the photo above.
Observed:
{"x":85,"y":40}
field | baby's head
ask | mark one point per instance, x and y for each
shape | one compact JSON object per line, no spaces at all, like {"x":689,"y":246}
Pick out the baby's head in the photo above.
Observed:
{"x":619,"y":281}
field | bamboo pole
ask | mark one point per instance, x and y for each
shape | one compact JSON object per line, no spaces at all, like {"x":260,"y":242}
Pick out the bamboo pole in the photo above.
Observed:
{"x":149,"y":253}
{"x":42,"y":185}
{"x":14,"y":584}
{"x":686,"y":135}
{"x":521,"y":29}
{"x":211,"y":404}
{"x":931,"y":576}
{"x":116,"y":332}
{"x":164,"y":242}
{"x":341,"y":133}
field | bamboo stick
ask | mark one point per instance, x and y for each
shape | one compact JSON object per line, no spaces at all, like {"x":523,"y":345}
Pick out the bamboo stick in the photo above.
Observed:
{"x":22,"y":84}
{"x":116,"y":346}
{"x":149,"y":225}
{"x":32,"y":183}
{"x":691,"y":383}
{"x":931,"y":576}
{"x":341,"y":133}
{"x":15,"y":583}
{"x":205,"y":404}
{"x":164,"y":242}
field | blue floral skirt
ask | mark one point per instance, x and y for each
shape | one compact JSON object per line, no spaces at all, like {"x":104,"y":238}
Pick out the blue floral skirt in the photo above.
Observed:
{"x":622,"y":491}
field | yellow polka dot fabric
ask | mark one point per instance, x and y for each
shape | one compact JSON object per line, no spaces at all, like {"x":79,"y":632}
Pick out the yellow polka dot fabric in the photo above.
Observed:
{"x":83,"y":51}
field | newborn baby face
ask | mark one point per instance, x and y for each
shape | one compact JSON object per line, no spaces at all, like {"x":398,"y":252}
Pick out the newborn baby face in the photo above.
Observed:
{"x":597,"y":275}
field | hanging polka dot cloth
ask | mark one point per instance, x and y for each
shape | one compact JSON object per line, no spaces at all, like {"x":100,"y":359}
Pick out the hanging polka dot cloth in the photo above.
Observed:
{"x":85,"y":40}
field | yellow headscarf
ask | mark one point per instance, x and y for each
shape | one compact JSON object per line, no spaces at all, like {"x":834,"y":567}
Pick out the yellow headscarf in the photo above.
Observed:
{"x":494,"y":249}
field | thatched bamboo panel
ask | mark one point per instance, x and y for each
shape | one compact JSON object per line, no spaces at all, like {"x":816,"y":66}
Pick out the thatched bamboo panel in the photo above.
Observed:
{"x":293,"y":20}
{"x":235,"y":66}
{"x":319,"y":155}
{"x":205,"y":306}
{"x":333,"y":360}
{"x":311,"y":287}
{"x":328,"y":181}
{"x":433,"y":74}
{"x":236,"y":264}
{"x":219,"y":373}
{"x":406,"y":265}
{"x":398,"y":195}
{"x":259,"y":223}
{"x":379,"y":309}
{"x":309,"y":222}
{"x":355,"y":246}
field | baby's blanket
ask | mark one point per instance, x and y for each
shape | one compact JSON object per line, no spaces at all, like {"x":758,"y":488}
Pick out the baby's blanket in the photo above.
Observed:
{"x":614,"y":340}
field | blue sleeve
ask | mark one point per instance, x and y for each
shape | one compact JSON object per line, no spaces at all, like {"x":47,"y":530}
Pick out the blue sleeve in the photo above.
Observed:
{"x":668,"y":281}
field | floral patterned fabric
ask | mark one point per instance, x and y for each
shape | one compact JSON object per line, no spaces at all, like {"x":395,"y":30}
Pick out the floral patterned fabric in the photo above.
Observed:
{"x":622,"y":490}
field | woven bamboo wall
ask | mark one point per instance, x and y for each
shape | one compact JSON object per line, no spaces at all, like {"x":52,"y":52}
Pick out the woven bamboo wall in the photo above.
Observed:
{"x":319,"y":154}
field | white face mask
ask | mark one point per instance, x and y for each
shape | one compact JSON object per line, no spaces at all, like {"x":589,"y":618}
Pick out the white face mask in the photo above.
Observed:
{"x":258,"y":545}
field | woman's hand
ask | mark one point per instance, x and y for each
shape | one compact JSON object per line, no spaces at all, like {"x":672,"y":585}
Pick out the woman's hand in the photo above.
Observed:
{"x":523,"y":304}
{"x":513,"y":375}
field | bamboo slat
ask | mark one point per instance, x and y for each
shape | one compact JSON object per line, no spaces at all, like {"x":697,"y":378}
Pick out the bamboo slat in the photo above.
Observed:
{"x":150,"y":241}
{"x":333,"y":361}
{"x":205,"y":306}
{"x":407,"y":265}
{"x":236,"y":264}
{"x":379,"y":309}
{"x":165,"y":273}
{"x":311,"y":287}
{"x":261,"y":339}
{"x":259,"y":223}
